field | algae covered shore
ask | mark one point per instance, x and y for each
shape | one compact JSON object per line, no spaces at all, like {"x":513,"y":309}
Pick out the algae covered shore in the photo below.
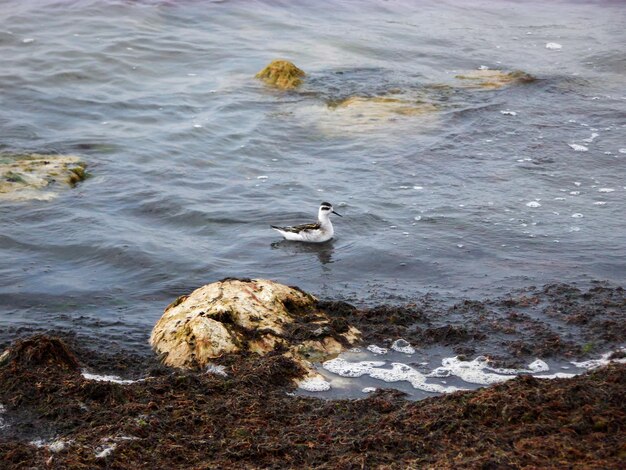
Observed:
{"x":242,"y":412}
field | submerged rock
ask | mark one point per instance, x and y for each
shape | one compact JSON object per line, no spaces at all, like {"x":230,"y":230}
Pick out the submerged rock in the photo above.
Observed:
{"x":258,"y":316}
{"x":361,"y":114}
{"x":493,"y":79}
{"x":365,"y":113}
{"x":366,"y":100}
{"x":381,"y":107}
{"x":34,"y":177}
{"x":281,"y":74}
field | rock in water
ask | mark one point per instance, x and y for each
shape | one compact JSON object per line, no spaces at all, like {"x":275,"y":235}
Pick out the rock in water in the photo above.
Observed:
{"x":34,"y":176}
{"x":493,"y":79}
{"x":281,"y":74}
{"x":246,"y":315}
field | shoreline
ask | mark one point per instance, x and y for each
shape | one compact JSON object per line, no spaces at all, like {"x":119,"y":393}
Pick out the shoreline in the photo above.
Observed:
{"x":244,"y":414}
{"x":56,"y":418}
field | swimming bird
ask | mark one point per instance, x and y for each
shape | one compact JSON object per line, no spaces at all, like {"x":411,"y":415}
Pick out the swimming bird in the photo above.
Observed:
{"x":318,"y":232}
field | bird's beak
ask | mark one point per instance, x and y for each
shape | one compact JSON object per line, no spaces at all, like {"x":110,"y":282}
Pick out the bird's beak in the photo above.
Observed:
{"x":337,"y":213}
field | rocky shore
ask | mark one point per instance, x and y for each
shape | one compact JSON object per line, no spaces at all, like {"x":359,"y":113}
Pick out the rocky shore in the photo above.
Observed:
{"x":241,"y":412}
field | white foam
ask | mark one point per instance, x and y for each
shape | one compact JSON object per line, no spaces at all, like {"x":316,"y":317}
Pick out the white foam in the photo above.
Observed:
{"x":606,"y":190}
{"x":107,"y":378}
{"x":507,"y":112}
{"x":377,"y":349}
{"x":262,"y":177}
{"x":398,"y":373}
{"x":3,"y":423}
{"x":553,"y":46}
{"x":578,"y":148}
{"x":402,"y":372}
{"x":471,"y":371}
{"x":104,"y":453}
{"x":622,"y":150}
{"x":533,"y":204}
{"x":574,"y":193}
{"x":59,"y":445}
{"x":216,"y":370}
{"x":536,"y":366}
{"x":314,"y":384}
{"x":345,"y":368}
{"x":403,"y":346}
{"x":52,"y":445}
{"x":599,"y":203}
{"x":557,"y":375}
{"x":603,"y":361}
{"x":28,"y":40}
{"x":369,"y":389}
{"x":591,"y":139}
{"x":477,"y":371}
{"x":577,"y":216}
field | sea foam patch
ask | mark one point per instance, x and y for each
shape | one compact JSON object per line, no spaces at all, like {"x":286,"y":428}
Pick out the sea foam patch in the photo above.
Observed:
{"x":314,"y":384}
{"x":107,"y":378}
{"x":604,"y":360}
{"x":216,"y":369}
{"x":578,"y":147}
{"x":477,"y":371}
{"x":3,"y":423}
{"x":397,"y":373}
{"x":403,"y":346}
{"x":377,"y":349}
{"x":473,"y":372}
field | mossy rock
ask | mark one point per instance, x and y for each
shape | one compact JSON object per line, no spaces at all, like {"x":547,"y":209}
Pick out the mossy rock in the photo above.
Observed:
{"x":249,"y":315}
{"x":35,"y":176}
{"x":281,"y":74}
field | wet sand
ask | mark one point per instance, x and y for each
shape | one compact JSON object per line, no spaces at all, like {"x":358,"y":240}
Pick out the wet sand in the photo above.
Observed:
{"x":249,"y":418}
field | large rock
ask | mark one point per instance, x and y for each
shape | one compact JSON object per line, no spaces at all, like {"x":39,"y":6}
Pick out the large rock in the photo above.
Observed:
{"x":34,"y":176}
{"x":281,"y":74}
{"x":247,"y":315}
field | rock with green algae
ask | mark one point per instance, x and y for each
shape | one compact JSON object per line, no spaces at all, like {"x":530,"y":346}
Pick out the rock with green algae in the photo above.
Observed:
{"x":245,"y":315}
{"x":281,"y":74}
{"x":38,"y":177}
{"x":493,"y":79}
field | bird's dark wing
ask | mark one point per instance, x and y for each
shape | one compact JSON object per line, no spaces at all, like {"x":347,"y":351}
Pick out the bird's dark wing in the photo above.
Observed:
{"x":299,"y":228}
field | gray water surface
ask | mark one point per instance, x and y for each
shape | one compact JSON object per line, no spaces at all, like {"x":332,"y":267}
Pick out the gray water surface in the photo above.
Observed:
{"x":159,"y":99}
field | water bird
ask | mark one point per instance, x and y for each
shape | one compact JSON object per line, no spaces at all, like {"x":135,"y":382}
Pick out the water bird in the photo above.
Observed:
{"x":318,"y":232}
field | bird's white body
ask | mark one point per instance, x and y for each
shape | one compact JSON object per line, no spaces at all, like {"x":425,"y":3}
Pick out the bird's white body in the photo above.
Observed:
{"x":319,"y":232}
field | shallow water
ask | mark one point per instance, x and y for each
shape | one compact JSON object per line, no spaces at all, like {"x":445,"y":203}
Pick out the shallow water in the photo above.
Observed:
{"x":159,"y":99}
{"x":427,"y":372}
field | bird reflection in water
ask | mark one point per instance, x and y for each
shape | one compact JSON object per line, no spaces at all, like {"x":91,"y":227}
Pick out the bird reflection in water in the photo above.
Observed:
{"x":323,"y":251}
